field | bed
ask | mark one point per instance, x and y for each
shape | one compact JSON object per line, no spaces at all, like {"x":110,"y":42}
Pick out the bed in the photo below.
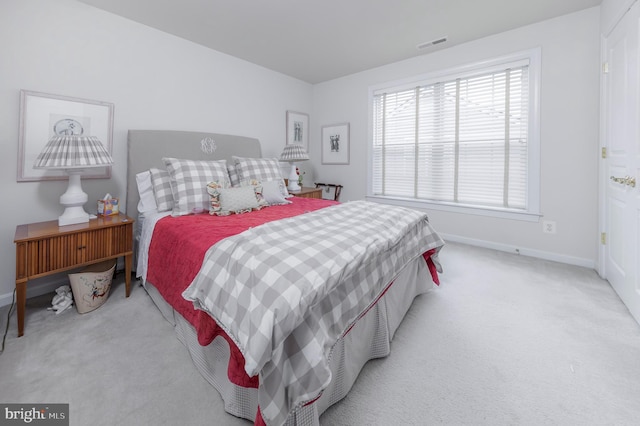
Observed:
{"x":280,"y":300}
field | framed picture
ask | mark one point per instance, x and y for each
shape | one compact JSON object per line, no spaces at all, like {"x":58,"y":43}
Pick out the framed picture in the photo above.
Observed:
{"x":43,"y":116}
{"x":298,"y":128}
{"x":335,"y":144}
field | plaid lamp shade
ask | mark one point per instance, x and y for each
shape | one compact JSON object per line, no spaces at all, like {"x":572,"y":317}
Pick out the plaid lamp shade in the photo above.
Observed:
{"x":294,"y":152}
{"x":73,"y":152}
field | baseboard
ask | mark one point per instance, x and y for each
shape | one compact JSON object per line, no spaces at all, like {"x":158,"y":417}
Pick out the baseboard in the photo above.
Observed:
{"x":44,"y":285}
{"x":540,"y":254}
{"x":50,"y":286}
{"x":35,"y":289}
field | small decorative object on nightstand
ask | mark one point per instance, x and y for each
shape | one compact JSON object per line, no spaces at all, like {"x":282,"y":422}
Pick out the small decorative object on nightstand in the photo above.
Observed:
{"x":45,"y":248}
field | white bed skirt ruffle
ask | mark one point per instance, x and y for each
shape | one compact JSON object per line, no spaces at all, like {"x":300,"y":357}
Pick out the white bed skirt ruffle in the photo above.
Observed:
{"x":369,"y":338}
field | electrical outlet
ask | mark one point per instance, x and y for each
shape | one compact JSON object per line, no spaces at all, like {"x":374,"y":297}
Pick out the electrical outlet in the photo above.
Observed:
{"x":549,"y":227}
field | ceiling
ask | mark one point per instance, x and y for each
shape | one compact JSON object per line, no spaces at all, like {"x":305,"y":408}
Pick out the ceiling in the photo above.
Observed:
{"x":320,"y":40}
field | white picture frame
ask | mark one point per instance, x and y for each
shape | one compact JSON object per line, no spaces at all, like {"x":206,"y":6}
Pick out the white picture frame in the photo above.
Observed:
{"x":298,"y":128}
{"x":43,"y":115}
{"x":335,"y":144}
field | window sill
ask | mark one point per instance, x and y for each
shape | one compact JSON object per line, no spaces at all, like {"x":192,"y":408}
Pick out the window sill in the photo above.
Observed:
{"x":454,"y":208}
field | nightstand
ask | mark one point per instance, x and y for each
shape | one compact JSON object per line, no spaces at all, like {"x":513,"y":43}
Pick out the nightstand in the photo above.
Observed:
{"x":45,"y":248}
{"x":308,"y":192}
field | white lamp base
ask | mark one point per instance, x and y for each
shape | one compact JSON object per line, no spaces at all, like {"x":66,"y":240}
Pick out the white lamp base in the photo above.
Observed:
{"x":293,"y":179}
{"x":73,"y":200}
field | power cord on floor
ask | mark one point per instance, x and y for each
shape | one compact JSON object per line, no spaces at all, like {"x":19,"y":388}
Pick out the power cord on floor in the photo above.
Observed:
{"x":6,"y":330}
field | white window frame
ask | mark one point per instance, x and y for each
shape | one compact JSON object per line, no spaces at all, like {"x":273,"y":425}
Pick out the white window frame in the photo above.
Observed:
{"x":532,"y":213}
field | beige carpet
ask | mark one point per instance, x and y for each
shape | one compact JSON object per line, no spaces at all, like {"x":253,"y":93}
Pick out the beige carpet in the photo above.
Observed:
{"x":505,"y":340}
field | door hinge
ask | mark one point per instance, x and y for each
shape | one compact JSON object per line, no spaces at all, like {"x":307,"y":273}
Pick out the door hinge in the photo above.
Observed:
{"x":604,"y":152}
{"x":603,"y":238}
{"x":605,"y":67}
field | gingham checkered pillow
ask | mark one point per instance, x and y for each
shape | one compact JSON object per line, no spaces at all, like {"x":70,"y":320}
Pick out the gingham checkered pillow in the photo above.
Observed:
{"x":233,"y":174}
{"x":189,"y":180}
{"x":262,"y":169}
{"x":161,"y":182}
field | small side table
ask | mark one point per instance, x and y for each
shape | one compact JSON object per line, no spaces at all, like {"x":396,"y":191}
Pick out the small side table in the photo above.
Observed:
{"x":45,"y":248}
{"x":306,"y":192}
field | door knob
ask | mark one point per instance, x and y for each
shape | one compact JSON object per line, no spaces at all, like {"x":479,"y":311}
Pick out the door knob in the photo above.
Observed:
{"x":627,"y":180}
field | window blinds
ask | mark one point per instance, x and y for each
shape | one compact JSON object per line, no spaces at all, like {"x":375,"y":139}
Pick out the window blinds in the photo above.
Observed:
{"x":460,"y":140}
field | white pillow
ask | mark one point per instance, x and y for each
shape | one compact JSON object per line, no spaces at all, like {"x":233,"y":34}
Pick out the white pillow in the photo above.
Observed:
{"x":273,"y":192}
{"x":147,"y":201}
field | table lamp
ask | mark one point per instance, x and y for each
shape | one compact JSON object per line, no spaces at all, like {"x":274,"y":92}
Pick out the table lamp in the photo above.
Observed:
{"x":293,"y":152}
{"x":73,"y":154}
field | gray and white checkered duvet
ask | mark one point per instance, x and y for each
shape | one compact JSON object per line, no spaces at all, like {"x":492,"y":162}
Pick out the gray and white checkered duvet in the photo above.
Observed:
{"x":287,"y":290}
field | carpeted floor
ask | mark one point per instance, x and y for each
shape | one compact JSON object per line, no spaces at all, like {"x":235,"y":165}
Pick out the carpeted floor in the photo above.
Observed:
{"x":505,"y":340}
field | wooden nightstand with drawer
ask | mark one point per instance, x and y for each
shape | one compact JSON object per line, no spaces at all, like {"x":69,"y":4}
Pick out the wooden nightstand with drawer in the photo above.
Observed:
{"x":45,"y":248}
{"x":308,"y":192}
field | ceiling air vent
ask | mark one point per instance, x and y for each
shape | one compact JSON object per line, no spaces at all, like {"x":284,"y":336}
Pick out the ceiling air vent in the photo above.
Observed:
{"x":431,"y":43}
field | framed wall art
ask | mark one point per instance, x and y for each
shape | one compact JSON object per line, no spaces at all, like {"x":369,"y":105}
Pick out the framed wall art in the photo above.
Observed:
{"x":335,"y":144}
{"x":44,"y":115}
{"x":298,"y":128}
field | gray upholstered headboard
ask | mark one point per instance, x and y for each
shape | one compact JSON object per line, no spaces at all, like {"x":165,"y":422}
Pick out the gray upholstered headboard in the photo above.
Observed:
{"x":146,"y":148}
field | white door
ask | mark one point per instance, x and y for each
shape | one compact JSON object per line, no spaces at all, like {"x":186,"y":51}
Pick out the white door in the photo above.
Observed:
{"x":622,"y":163}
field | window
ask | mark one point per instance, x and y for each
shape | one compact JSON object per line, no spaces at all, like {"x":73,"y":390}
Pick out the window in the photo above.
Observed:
{"x":465,"y":139}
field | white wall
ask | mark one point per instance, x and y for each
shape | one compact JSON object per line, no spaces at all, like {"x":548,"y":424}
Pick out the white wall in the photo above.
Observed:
{"x":159,"y":81}
{"x":569,"y":135}
{"x":155,"y":81}
{"x":611,"y":11}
